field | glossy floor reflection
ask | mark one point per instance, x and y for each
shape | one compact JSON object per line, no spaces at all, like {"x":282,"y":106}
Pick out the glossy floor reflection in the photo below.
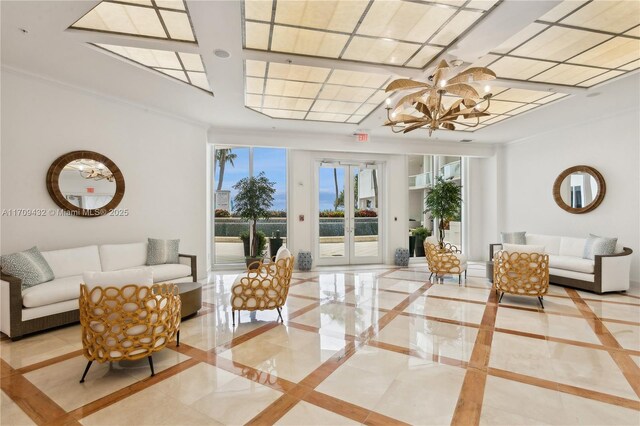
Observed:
{"x":364,"y":345}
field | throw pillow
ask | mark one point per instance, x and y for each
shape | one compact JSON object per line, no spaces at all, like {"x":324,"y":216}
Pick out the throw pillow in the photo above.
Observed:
{"x":596,"y":245}
{"x":521,"y":248}
{"x":29,"y":266}
{"x":513,"y":237}
{"x":160,"y":252}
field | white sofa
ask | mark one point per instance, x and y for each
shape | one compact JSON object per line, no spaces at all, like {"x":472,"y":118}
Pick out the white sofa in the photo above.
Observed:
{"x":55,"y":302}
{"x":567,"y":267}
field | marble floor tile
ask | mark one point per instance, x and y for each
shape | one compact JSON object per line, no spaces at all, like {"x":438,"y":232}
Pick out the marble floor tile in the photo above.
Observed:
{"x":615,"y":311}
{"x":430,"y":337}
{"x":11,"y":414}
{"x":447,"y":309}
{"x":341,"y":319}
{"x":235,"y":402}
{"x":628,"y":336}
{"x":39,"y":347}
{"x":304,"y":413}
{"x":541,"y":323}
{"x":149,"y":407}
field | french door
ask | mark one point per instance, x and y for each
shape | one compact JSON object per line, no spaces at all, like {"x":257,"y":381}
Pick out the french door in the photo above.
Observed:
{"x":348,"y":214}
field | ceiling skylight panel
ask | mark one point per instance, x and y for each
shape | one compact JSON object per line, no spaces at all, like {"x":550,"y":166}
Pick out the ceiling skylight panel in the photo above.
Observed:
{"x":405,"y":21}
{"x":345,"y":93}
{"x":283,"y":113}
{"x":562,"y":10}
{"x":145,"y":19}
{"x":325,"y":116}
{"x":528,"y":32}
{"x":454,"y":28}
{"x":635,"y":32}
{"x":186,"y":67}
{"x":355,"y":119}
{"x":294,"y":104}
{"x":178,"y":25}
{"x":307,"y":42}
{"x":255,"y":68}
{"x":379,"y":51}
{"x":559,"y":44}
{"x":503,"y":107}
{"x":425,"y":54}
{"x":520,"y":95}
{"x":631,"y":66}
{"x":292,"y":88}
{"x":610,"y":54}
{"x":254,"y":101}
{"x":298,"y":72}
{"x":254,"y":85}
{"x":612,"y":16}
{"x":519,"y":69}
{"x":324,"y":15}
{"x":523,"y":108}
{"x":335,"y":107}
{"x":256,"y":36}
{"x":602,"y":77}
{"x":567,"y":74}
{"x":258,"y":10}
{"x":355,"y":78}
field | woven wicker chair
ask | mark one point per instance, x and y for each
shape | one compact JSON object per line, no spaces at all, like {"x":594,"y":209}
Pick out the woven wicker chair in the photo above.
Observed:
{"x":523,"y":274}
{"x":447,"y":260}
{"x":265,"y":287}
{"x":129,"y":322}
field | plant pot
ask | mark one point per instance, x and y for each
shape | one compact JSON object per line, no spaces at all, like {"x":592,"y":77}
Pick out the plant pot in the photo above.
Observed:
{"x":412,"y":245}
{"x":419,"y":246}
{"x":274,"y":245}
{"x":252,"y":262}
{"x":245,"y":244}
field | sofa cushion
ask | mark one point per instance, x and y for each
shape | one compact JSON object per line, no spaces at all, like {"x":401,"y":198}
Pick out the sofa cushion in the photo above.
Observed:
{"x":29,"y":265}
{"x":551,"y":243}
{"x":74,"y":261}
{"x":139,"y":276}
{"x":572,"y":246}
{"x":571,"y":263}
{"x":169,"y":271}
{"x":160,"y":252}
{"x":58,"y":290}
{"x":513,"y":237}
{"x":523,"y":248}
{"x":596,"y":245}
{"x":115,"y":257}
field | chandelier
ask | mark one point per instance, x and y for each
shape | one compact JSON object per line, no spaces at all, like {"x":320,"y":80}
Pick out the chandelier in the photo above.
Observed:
{"x":92,"y":170}
{"x":426,"y":107}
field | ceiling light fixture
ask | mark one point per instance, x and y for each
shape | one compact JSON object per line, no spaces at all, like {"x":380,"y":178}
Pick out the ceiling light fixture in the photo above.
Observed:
{"x":221,"y":53}
{"x":427,"y":101}
{"x":91,"y":170}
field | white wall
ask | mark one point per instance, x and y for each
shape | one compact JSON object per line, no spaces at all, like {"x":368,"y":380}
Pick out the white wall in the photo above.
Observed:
{"x":163,"y":160}
{"x":527,"y":170}
{"x":480,"y":207}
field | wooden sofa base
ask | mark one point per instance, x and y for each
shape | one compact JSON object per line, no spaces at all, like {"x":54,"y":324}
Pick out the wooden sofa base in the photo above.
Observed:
{"x":591,"y":286}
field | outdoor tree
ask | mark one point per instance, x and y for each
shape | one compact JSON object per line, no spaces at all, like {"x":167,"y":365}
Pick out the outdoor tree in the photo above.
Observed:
{"x":224,"y":156}
{"x":253,"y":202}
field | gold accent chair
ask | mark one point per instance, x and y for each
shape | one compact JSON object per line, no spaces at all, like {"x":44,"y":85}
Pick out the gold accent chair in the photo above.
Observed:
{"x":523,"y":274}
{"x":265,"y":287}
{"x":447,"y":260}
{"x":128,"y":322}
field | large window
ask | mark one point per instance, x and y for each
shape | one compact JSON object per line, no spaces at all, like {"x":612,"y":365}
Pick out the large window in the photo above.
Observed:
{"x":230,"y":239}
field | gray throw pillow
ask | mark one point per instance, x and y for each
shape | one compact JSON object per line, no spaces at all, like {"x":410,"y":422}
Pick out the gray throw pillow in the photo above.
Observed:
{"x":599,"y":246}
{"x":29,"y":266}
{"x":513,"y":237}
{"x":160,"y":252}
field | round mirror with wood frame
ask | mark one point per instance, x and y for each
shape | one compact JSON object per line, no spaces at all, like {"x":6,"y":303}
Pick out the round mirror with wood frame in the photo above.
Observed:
{"x":85,"y":183}
{"x":579,"y":189}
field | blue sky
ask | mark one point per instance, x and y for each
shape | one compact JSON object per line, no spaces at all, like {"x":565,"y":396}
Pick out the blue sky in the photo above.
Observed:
{"x":272,"y":161}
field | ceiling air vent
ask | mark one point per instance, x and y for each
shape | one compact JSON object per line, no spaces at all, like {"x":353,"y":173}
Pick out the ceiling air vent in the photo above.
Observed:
{"x":465,"y":140}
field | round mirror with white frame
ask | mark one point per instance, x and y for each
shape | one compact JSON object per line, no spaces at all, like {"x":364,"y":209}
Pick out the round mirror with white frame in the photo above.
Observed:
{"x":85,"y":183}
{"x":579,"y":189}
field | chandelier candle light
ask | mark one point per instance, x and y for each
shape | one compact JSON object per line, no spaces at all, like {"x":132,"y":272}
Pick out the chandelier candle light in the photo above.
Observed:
{"x":425,"y":108}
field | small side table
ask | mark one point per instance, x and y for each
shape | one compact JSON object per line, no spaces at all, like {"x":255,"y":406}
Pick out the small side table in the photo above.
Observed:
{"x":490,"y":271}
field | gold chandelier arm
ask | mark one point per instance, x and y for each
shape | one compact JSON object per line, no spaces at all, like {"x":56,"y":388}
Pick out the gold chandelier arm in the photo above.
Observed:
{"x":467,"y":125}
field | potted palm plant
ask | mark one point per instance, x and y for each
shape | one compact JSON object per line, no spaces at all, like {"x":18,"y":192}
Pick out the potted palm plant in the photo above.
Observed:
{"x":420,"y":234}
{"x":253,"y":202}
{"x":443,"y":200}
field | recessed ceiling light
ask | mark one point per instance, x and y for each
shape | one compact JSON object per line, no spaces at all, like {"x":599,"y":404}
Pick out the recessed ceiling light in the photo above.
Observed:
{"x":221,"y":53}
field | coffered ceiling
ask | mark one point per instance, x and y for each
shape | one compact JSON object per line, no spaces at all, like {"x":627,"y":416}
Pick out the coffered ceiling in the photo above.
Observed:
{"x":322,"y":66}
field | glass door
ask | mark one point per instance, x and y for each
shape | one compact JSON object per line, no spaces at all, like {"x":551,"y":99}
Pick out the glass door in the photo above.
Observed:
{"x":348,"y":214}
